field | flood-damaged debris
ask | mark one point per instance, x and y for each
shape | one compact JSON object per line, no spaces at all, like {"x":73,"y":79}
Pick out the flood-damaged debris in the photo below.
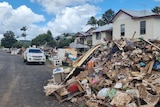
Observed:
{"x":118,"y":73}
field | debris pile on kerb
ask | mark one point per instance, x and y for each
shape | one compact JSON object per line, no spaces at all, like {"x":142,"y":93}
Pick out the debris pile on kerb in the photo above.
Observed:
{"x":119,"y":73}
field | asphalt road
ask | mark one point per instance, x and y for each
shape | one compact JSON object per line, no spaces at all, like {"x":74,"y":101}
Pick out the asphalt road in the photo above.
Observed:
{"x":21,"y":85}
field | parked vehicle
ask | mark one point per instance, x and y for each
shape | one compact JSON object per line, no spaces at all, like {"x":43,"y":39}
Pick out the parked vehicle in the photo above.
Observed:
{"x":34,"y":55}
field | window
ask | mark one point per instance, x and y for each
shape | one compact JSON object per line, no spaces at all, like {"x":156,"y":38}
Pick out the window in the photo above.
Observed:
{"x":122,"y":29}
{"x":98,"y":36}
{"x":143,"y":27}
{"x":82,"y":40}
{"x":34,"y":51}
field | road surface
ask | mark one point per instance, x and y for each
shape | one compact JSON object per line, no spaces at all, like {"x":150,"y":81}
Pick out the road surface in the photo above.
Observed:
{"x":21,"y":85}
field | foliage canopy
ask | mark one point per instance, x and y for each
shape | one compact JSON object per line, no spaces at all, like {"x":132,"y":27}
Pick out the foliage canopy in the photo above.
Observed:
{"x":42,"y":39}
{"x":8,"y":40}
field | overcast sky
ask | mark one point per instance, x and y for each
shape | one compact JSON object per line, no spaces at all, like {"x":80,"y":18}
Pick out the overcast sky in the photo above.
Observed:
{"x":59,"y":16}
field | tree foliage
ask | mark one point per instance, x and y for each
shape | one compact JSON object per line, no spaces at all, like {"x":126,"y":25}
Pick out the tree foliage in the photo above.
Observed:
{"x":17,"y":45}
{"x":156,"y":10}
{"x":100,"y":22}
{"x":105,"y":19}
{"x":8,"y":40}
{"x":92,"y":21}
{"x":64,"y":42}
{"x":24,"y":34}
{"x":107,"y":16}
{"x":43,"y":39}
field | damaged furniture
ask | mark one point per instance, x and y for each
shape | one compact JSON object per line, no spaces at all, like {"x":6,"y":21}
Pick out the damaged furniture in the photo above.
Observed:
{"x":68,"y":91}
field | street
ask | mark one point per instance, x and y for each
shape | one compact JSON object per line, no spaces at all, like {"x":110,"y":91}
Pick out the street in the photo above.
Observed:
{"x":21,"y":85}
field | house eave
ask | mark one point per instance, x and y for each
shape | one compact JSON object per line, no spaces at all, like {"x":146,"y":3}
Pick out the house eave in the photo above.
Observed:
{"x":151,"y":16}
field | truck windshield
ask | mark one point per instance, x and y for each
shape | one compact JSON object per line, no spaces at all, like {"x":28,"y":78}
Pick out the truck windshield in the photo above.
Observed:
{"x":35,"y":51}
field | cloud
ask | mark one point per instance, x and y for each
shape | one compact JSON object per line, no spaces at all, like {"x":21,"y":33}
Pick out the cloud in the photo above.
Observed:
{"x":72,"y":19}
{"x":32,"y":1}
{"x":55,"y":6}
{"x":68,"y":16}
{"x":15,"y":19}
{"x":1,"y":36}
{"x":157,"y":0}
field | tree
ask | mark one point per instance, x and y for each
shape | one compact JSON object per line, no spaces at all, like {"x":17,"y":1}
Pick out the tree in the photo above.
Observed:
{"x":49,"y":32}
{"x":17,"y":45}
{"x":8,"y":40}
{"x":107,"y":16}
{"x":92,"y":21}
{"x":42,"y":39}
{"x":64,"y":42}
{"x":24,"y":34}
{"x":100,"y":22}
{"x":156,"y":10}
{"x":105,"y":19}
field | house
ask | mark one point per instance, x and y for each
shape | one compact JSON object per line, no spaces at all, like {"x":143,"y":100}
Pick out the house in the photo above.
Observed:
{"x":135,"y":24}
{"x":84,"y":38}
{"x":101,"y":33}
{"x":65,"y":36}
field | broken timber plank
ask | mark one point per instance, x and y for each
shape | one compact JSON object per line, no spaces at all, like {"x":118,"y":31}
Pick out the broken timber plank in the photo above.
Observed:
{"x":150,"y":67}
{"x":150,"y":43}
{"x":80,"y":61}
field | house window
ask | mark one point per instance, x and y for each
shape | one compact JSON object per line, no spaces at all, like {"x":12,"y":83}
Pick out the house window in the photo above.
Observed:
{"x":98,"y":36}
{"x":122,"y":29}
{"x":143,"y":27}
{"x":82,"y":40}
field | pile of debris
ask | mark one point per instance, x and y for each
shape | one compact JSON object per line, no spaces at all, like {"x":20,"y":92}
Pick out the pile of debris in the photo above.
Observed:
{"x":119,"y":73}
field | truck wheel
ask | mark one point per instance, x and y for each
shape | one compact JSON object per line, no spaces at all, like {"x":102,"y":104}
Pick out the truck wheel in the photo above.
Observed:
{"x":27,"y":62}
{"x":24,"y":61}
{"x":43,"y":63}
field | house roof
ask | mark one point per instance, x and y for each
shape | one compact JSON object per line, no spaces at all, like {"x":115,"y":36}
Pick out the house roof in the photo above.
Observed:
{"x":137,"y":14}
{"x":82,"y":34}
{"x":90,"y":30}
{"x":103,"y":28}
{"x":142,"y":13}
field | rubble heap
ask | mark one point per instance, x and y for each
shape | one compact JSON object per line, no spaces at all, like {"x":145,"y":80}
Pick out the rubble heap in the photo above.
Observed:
{"x":119,"y":73}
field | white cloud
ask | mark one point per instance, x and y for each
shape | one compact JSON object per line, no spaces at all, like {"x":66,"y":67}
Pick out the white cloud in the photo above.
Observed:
{"x":34,"y":30}
{"x":72,"y":19}
{"x":1,"y":36}
{"x":157,"y":0}
{"x":68,"y":16}
{"x":24,"y":15}
{"x":55,"y":6}
{"x":15,"y":19}
{"x":32,"y":1}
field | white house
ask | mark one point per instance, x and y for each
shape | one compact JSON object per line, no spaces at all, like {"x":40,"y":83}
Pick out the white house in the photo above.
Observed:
{"x":101,"y":33}
{"x":129,"y":24}
{"x":84,"y":38}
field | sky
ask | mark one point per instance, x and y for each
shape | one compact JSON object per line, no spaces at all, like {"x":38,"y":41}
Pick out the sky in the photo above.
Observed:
{"x":59,"y":16}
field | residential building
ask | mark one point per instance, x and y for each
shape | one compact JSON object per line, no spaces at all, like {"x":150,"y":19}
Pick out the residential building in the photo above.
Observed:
{"x":84,"y":38}
{"x":101,"y":33}
{"x":129,"y":24}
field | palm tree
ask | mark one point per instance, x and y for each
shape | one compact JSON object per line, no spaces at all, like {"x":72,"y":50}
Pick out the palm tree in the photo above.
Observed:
{"x":92,"y":21}
{"x":107,"y":16}
{"x":156,"y":10}
{"x":24,"y":34}
{"x":100,"y":22}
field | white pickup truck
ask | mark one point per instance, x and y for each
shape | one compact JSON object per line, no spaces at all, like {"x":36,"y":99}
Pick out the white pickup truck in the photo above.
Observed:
{"x":34,"y":55}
